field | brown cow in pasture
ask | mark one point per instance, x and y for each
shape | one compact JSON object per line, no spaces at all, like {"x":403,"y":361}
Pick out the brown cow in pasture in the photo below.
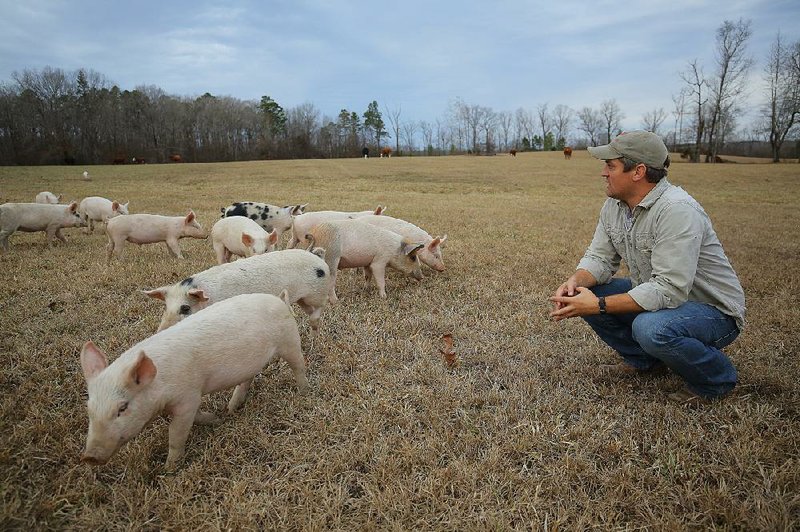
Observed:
{"x":175,"y":158}
{"x":119,"y":160}
{"x":513,"y":153}
{"x":386,"y":151}
{"x":567,"y":153}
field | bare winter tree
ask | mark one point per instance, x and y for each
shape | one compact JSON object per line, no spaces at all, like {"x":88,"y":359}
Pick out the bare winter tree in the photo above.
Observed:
{"x":782,"y":111}
{"x":562,"y":122}
{"x":427,"y":136}
{"x":612,"y":117}
{"x":652,"y":120}
{"x":524,"y":123}
{"x":409,"y":130}
{"x":442,"y":136}
{"x":505,"y":121}
{"x":696,"y":90}
{"x":394,"y":119}
{"x":591,"y":123}
{"x":729,"y":81}
{"x":544,"y":121}
{"x":487,"y":124}
{"x":472,"y":117}
{"x":678,"y":111}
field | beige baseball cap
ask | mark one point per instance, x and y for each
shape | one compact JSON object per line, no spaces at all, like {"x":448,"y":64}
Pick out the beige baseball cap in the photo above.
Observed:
{"x":639,"y":146}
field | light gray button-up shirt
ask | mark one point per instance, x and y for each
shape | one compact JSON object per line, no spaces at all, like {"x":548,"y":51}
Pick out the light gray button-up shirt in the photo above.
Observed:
{"x":671,"y":250}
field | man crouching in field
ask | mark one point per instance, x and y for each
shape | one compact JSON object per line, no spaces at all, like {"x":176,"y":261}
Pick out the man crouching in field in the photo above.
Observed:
{"x":682,"y":302}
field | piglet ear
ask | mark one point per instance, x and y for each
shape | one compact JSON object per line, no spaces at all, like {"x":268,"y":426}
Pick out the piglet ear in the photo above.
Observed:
{"x":247,"y":240}
{"x":156,"y":293}
{"x":115,"y":206}
{"x":93,"y":361}
{"x":273,"y":237}
{"x":60,"y":196}
{"x":143,"y":371}
{"x":380,"y":210}
{"x":443,"y":239}
{"x":73,"y":206}
{"x":198,"y":294}
{"x":434,"y":243}
{"x":189,"y":217}
{"x":411,"y":249}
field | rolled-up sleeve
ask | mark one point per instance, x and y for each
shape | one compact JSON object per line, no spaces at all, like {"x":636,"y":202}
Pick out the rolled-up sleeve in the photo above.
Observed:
{"x":674,"y":258}
{"x":601,"y":258}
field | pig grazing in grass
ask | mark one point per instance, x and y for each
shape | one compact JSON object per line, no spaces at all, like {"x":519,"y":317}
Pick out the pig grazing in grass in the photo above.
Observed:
{"x":97,"y":209}
{"x":47,"y":197}
{"x":430,"y":255}
{"x":304,"y":275}
{"x":224,"y":346}
{"x":304,"y":223}
{"x":31,"y":217}
{"x":240,"y":236}
{"x":149,"y":229}
{"x":270,"y":217}
{"x":354,"y":244}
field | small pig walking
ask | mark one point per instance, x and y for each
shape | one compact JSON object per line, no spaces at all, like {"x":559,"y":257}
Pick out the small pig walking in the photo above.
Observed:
{"x":32,"y":217}
{"x":237,"y":235}
{"x":303,"y":274}
{"x":47,"y":197}
{"x":98,"y":209}
{"x":223,"y":346}
{"x":149,"y":229}
{"x":305,"y":222}
{"x":354,"y":244}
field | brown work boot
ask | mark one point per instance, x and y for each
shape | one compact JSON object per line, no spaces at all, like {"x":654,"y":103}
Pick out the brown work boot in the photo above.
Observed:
{"x":687,"y":397}
{"x":626,"y":369}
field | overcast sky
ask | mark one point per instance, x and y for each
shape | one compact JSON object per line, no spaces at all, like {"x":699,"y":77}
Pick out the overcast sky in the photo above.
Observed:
{"x":416,"y":56}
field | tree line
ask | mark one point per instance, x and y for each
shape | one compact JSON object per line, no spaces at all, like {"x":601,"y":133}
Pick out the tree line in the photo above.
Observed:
{"x":51,"y":116}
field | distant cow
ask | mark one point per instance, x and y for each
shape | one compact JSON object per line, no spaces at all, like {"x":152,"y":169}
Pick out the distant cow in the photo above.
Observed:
{"x":567,"y":153}
{"x":386,"y":151}
{"x":365,"y":152}
{"x":119,"y":160}
{"x":175,"y":158}
{"x":513,"y":153}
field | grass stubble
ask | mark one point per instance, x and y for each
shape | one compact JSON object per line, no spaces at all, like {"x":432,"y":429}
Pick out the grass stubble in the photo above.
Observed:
{"x":520,"y":434}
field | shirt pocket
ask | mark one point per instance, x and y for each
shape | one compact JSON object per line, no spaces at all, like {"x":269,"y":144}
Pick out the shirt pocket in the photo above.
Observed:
{"x":645,"y":243}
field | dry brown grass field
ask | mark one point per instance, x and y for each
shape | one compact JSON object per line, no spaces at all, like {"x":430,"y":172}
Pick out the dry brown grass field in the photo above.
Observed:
{"x":520,"y":434}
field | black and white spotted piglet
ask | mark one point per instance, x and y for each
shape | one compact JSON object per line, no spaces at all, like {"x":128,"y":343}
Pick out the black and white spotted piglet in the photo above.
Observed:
{"x":267,"y":216}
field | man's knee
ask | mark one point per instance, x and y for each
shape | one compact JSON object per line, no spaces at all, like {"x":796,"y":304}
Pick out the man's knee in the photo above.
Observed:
{"x":655,"y":334}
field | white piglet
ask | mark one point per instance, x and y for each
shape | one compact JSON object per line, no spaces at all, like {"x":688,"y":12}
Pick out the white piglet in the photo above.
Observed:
{"x":224,"y":346}
{"x":47,"y":197}
{"x":32,"y":217}
{"x":304,"y":275}
{"x":150,"y":229}
{"x":354,"y":244}
{"x":97,"y":209}
{"x":237,"y":235}
{"x":430,"y":254}
{"x":304,"y":223}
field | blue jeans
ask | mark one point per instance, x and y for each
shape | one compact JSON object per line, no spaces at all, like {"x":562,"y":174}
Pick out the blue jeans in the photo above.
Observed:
{"x":686,"y":339}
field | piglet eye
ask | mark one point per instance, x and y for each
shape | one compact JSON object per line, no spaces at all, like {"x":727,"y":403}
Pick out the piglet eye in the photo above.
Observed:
{"x":122,"y":408}
{"x":185,"y":309}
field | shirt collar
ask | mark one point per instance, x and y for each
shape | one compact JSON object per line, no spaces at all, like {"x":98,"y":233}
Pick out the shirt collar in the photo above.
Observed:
{"x":651,"y":196}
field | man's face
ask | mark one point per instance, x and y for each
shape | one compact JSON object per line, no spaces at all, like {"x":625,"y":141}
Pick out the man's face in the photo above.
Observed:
{"x":619,"y":183}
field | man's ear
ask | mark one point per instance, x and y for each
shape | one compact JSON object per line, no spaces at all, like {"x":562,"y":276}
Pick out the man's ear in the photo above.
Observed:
{"x":641,"y":172}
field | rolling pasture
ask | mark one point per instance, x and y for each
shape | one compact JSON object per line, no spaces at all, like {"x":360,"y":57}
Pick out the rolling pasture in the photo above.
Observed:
{"x":516,"y":431}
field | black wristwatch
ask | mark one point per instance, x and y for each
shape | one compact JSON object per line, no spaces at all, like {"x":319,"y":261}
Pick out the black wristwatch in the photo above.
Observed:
{"x":602,"y":302}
